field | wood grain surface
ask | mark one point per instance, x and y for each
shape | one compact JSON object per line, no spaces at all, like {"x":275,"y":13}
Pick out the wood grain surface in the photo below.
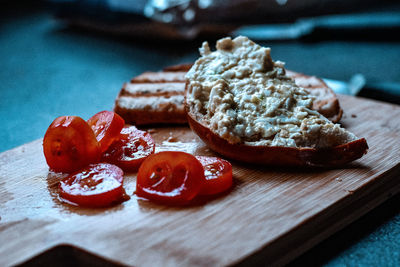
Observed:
{"x":270,"y":216}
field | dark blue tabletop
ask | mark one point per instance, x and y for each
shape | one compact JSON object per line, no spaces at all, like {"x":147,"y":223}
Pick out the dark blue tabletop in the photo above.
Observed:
{"x":48,"y":70}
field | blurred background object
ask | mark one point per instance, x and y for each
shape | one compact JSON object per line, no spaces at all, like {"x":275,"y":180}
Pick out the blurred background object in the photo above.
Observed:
{"x":189,"y":19}
{"x":268,"y":20}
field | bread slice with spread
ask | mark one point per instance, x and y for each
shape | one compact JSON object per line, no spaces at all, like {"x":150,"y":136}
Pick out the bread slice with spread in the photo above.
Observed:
{"x":243,"y":105}
{"x":158,"y":97}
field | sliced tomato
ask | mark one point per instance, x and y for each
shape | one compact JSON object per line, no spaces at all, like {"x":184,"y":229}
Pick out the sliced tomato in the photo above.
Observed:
{"x":106,"y":126}
{"x":170,"y":177}
{"x":130,"y":149}
{"x":97,"y":185}
{"x":218,"y":174}
{"x":70,"y":144}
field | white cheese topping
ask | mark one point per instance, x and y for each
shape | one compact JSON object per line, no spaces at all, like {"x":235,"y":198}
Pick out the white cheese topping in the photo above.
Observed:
{"x":245,"y":97}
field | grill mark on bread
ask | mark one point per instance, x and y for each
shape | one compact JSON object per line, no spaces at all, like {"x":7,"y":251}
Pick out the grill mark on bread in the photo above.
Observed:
{"x":168,"y":103}
{"x":153,"y":89}
{"x":160,"y":77}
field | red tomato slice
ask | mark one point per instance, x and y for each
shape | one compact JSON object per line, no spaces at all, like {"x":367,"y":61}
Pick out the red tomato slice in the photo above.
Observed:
{"x":131,"y":149}
{"x":218,"y":174}
{"x":106,"y":126}
{"x":70,"y":144}
{"x":97,"y":185}
{"x":170,"y":177}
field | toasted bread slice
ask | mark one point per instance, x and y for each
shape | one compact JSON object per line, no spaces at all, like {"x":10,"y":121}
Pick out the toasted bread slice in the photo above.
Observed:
{"x":157,"y":97}
{"x":326,"y":101}
{"x":242,"y":105}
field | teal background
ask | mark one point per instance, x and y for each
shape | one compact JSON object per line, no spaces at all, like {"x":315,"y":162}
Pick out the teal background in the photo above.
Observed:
{"x":48,"y":70}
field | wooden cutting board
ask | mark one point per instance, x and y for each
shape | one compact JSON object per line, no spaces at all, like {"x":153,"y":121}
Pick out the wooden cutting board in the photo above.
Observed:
{"x":271,"y":215}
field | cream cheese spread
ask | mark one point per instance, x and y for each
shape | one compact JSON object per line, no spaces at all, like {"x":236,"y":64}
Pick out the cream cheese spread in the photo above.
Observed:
{"x":244,"y":96}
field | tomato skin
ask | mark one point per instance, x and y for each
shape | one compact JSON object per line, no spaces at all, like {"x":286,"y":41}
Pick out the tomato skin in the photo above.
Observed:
{"x":218,"y":175}
{"x":170,"y":177}
{"x":106,"y":126}
{"x":97,"y":185}
{"x":70,"y":144}
{"x":130,"y":149}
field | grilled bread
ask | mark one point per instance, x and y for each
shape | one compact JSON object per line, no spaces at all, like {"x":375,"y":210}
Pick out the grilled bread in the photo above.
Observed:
{"x":158,"y":97}
{"x":153,"y":98}
{"x":242,"y":105}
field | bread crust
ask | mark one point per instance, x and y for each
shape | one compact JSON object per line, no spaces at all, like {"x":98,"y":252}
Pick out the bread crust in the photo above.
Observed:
{"x":280,"y":156}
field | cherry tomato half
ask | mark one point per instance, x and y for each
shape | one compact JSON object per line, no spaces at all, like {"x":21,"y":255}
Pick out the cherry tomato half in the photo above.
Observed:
{"x":218,"y":174}
{"x":97,"y":185}
{"x":131,"y":149}
{"x":170,"y":177}
{"x":70,"y":144}
{"x":106,"y":126}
